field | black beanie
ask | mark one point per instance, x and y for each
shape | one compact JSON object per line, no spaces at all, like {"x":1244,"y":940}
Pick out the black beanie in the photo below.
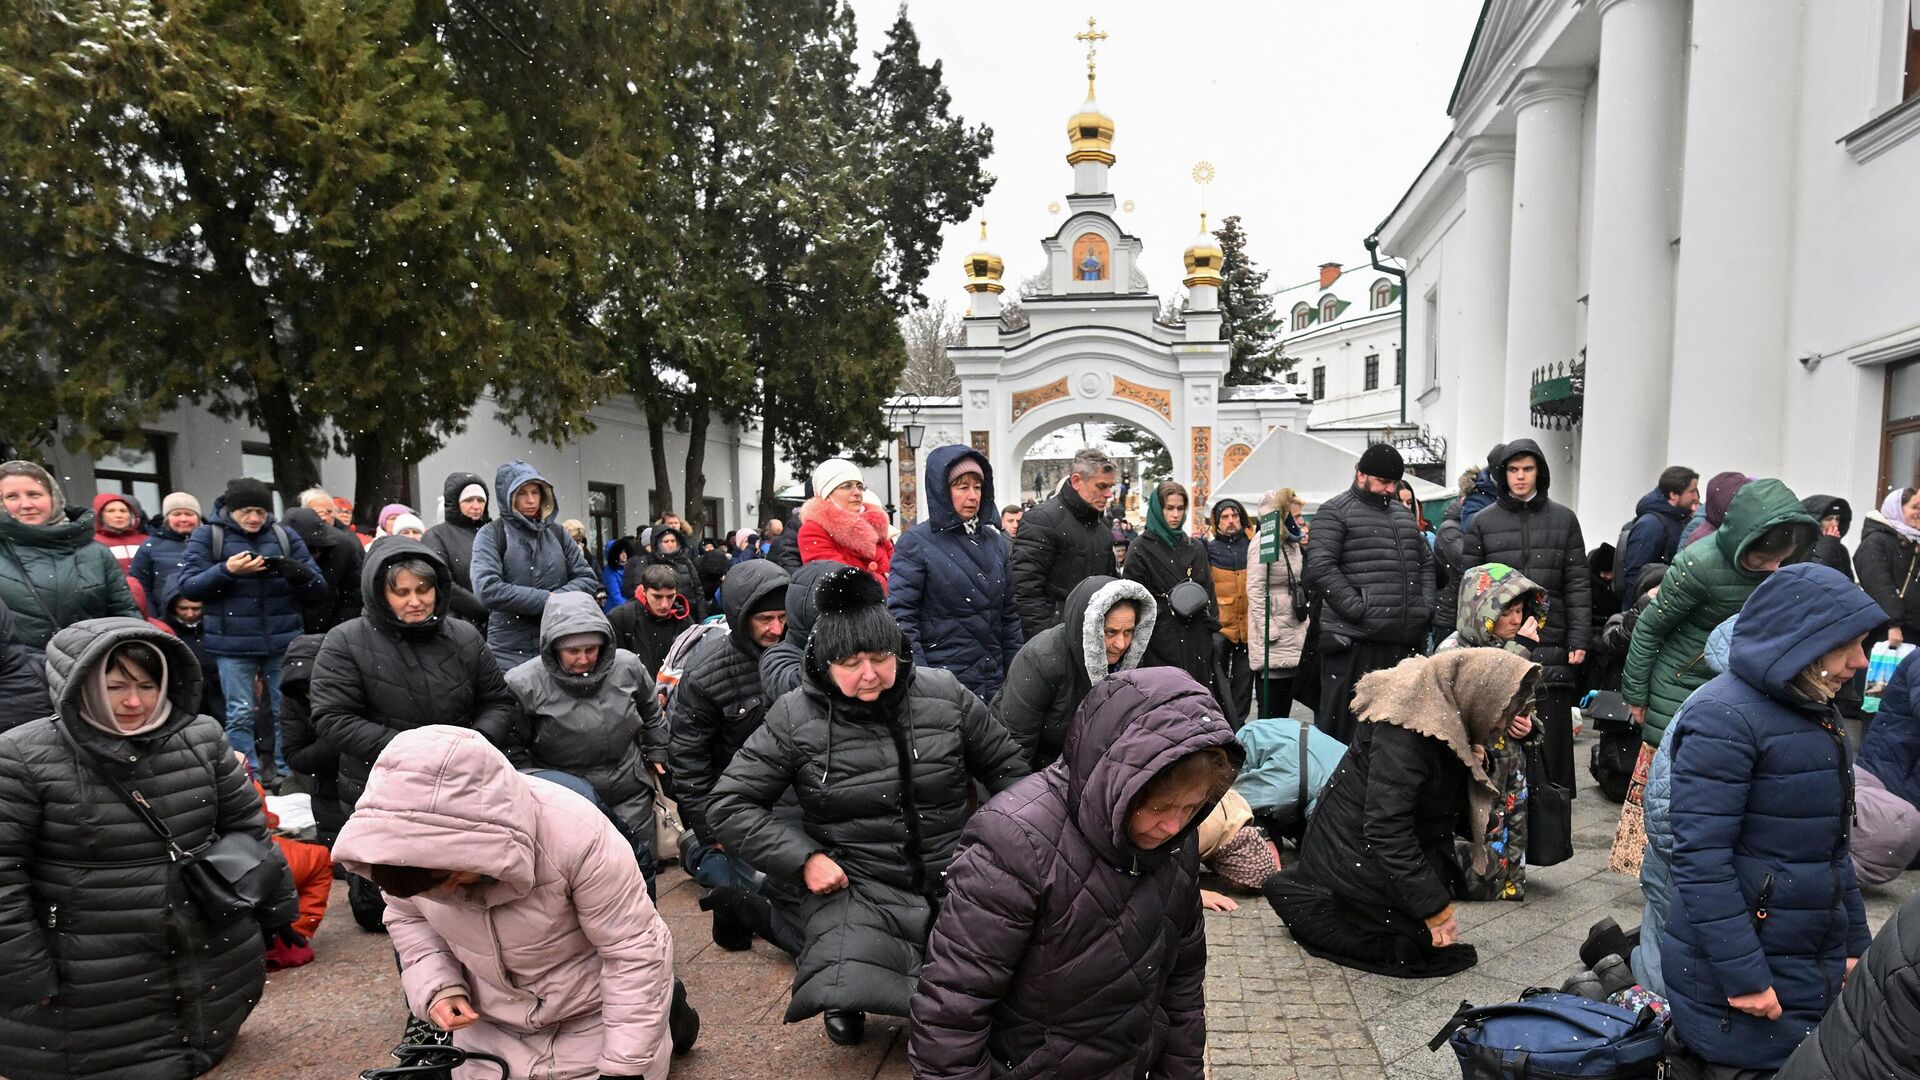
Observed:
{"x":852,"y":618}
{"x":1382,"y":461}
{"x":245,"y":491}
{"x":774,"y":599}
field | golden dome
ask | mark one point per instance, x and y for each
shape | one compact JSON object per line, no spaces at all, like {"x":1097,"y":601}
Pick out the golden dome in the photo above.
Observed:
{"x":1090,"y":132}
{"x":984,"y":267}
{"x":1204,"y":258}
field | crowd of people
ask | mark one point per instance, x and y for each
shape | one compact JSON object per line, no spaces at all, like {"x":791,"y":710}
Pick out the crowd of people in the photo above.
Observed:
{"x":974,"y":773}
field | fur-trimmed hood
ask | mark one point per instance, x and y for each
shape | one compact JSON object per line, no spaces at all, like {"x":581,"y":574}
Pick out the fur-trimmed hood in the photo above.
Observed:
{"x":1086,"y":624}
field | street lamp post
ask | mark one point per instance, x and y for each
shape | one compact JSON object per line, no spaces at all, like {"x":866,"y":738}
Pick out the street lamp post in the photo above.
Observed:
{"x":911,"y":432}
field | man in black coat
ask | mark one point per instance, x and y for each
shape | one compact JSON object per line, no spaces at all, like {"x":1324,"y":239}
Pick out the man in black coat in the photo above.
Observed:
{"x":1527,"y":530}
{"x":339,"y":557}
{"x":1374,"y":571}
{"x":648,"y":628}
{"x":718,"y":703}
{"x":1063,"y":541}
{"x":1658,"y":521}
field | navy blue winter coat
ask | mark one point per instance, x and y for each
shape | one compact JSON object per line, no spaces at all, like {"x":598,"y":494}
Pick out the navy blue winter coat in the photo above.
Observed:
{"x":1654,"y":537}
{"x":249,"y":614}
{"x":952,"y":590}
{"x":1891,"y":750}
{"x":158,"y":563}
{"x":1762,"y":791}
{"x":540,"y":559}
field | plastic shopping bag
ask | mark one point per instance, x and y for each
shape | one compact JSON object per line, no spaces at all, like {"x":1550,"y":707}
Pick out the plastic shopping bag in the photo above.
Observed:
{"x":1880,"y":666}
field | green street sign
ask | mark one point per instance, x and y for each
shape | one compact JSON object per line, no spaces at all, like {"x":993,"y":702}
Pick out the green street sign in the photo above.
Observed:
{"x":1271,"y":529}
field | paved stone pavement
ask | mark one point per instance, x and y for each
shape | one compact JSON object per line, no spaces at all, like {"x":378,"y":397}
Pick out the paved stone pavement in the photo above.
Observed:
{"x":1273,"y":1012}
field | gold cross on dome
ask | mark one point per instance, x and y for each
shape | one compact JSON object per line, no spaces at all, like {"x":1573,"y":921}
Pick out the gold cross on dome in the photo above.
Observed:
{"x":1092,"y":37}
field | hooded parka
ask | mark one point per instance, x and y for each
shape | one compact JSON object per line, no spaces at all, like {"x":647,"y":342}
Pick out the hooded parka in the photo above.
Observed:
{"x":720,"y":700}
{"x":883,"y":788}
{"x":1706,"y":584}
{"x":1160,"y":558}
{"x":54,"y":575}
{"x":123,"y":543}
{"x":784,"y":666}
{"x":603,"y":726}
{"x":1053,"y":672}
{"x":1064,"y":949}
{"x":1061,"y":542}
{"x":93,"y":914}
{"x":559,"y":950}
{"x":1541,"y":539}
{"x":306,"y":751}
{"x":1654,"y":537}
{"x":257,"y":614}
{"x":518,"y":561}
{"x":1869,"y":1032}
{"x":680,"y":561}
{"x":1384,"y":830}
{"x":376,"y":676}
{"x":452,"y":540}
{"x":1889,"y":565}
{"x":1761,"y":794}
{"x":339,"y":558}
{"x":951,"y":584}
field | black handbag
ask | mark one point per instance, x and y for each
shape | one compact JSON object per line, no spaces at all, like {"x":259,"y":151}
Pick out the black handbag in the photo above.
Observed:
{"x":234,"y":875}
{"x":431,"y":1061}
{"x":1549,"y":812}
{"x":1187,"y":600}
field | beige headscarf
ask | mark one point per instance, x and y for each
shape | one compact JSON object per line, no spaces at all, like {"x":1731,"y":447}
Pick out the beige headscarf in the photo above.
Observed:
{"x":96,"y":707}
{"x":1460,"y":698}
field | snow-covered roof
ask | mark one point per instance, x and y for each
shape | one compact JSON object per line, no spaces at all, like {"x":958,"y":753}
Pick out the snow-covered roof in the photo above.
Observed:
{"x":1352,"y":292}
{"x":1274,"y":391}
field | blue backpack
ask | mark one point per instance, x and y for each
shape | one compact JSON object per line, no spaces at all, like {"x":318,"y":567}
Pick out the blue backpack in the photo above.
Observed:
{"x":1549,"y":1036}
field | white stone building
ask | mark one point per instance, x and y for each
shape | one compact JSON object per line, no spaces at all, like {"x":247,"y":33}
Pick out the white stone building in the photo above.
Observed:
{"x":1714,"y":203}
{"x":1342,"y":329}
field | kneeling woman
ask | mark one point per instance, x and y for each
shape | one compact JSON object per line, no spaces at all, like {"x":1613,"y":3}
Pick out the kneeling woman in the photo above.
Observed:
{"x":518,"y":912}
{"x":1377,"y":875}
{"x":882,"y":755}
{"x":1071,"y":942}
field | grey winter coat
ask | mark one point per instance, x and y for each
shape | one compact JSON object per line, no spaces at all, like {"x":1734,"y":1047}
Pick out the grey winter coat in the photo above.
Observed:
{"x":376,"y":676}
{"x":93,"y":914}
{"x":604,"y":726}
{"x":540,"y":559}
{"x":883,"y":789}
{"x":1541,"y":539}
{"x":720,"y":701}
{"x":1052,"y":673}
{"x":54,"y":575}
{"x":1063,"y":949}
{"x":1374,"y":569}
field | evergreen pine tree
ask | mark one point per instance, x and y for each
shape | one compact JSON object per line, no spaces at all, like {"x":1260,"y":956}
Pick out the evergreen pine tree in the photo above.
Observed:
{"x":1248,"y":320}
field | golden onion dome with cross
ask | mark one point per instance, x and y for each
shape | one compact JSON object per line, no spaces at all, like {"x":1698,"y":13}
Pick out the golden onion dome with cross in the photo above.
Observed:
{"x":984,"y":267}
{"x":1090,"y":131}
{"x":1204,"y":258}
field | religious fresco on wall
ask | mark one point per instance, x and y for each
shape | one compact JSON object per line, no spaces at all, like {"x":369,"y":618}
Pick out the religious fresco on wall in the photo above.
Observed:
{"x":909,"y":482}
{"x":1159,"y":401}
{"x":1202,"y":466}
{"x":1231,"y":460}
{"x":982,"y":442}
{"x":1025,"y":401}
{"x":1092,"y":261}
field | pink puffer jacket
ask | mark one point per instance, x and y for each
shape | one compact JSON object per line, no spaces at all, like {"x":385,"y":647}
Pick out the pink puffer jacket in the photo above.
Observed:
{"x":562,"y":955}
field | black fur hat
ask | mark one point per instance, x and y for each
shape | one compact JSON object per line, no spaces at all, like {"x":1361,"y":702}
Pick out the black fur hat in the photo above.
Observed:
{"x":852,"y":617}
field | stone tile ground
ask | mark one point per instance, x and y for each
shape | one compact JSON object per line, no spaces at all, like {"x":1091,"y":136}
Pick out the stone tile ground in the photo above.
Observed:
{"x":1273,"y":1012}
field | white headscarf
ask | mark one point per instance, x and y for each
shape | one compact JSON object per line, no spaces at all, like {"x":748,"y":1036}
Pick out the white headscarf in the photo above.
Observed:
{"x":1896,"y":518}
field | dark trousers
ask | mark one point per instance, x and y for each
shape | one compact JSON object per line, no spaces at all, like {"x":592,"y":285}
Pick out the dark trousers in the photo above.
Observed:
{"x":1235,"y":678}
{"x":1366,"y":937}
{"x":1272,"y":694}
{"x":1340,"y":670}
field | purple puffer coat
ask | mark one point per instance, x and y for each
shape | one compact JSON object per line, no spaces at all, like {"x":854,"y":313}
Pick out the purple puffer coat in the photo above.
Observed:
{"x":1063,"y":949}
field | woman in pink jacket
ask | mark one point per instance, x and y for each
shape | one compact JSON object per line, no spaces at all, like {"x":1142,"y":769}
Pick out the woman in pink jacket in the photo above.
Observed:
{"x":520,"y":917}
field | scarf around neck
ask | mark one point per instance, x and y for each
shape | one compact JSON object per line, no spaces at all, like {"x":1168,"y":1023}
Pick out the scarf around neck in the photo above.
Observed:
{"x":1897,"y":521}
{"x":97,"y":710}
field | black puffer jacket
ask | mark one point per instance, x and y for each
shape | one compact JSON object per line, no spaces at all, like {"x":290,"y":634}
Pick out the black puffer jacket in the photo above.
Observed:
{"x":306,"y":751}
{"x":1186,"y":644}
{"x":452,"y":540}
{"x":92,"y":912}
{"x":376,"y":676}
{"x":339,"y":557}
{"x":1830,"y":550}
{"x":883,"y":789}
{"x":1061,"y":543}
{"x":1541,"y":539}
{"x":1373,"y":569}
{"x":785,"y":548}
{"x":1889,"y":567}
{"x":784,"y":666}
{"x":1868,"y":1034}
{"x":1052,"y":673}
{"x":1063,"y":949}
{"x":720,"y":700}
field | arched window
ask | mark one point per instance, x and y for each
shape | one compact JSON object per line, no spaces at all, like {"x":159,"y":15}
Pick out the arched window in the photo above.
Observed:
{"x":1329,"y":308}
{"x":1382,"y":294}
{"x":1302,"y":316}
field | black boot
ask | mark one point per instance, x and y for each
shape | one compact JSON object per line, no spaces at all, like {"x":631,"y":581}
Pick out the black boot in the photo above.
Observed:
{"x":1603,"y":940}
{"x":729,"y":932}
{"x":846,"y":1027}
{"x":683,"y":1023}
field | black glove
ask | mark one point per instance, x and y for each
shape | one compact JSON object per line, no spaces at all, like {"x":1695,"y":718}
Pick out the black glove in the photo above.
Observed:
{"x":294,"y":570}
{"x":285,"y":935}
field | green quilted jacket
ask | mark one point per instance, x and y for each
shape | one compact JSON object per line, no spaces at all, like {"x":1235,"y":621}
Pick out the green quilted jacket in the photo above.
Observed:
{"x":1705,"y":586}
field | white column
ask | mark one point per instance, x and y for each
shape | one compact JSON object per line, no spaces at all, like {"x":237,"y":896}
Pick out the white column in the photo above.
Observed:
{"x":1476,"y":293}
{"x":1734,"y":281}
{"x":1635,"y":201}
{"x":1549,"y":105}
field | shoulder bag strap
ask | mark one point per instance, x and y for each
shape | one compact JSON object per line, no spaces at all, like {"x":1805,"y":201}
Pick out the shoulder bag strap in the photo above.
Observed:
{"x":134,"y":800}
{"x":1305,"y":727}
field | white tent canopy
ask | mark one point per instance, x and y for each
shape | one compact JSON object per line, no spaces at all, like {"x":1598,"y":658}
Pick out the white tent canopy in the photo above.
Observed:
{"x":1315,"y":468}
